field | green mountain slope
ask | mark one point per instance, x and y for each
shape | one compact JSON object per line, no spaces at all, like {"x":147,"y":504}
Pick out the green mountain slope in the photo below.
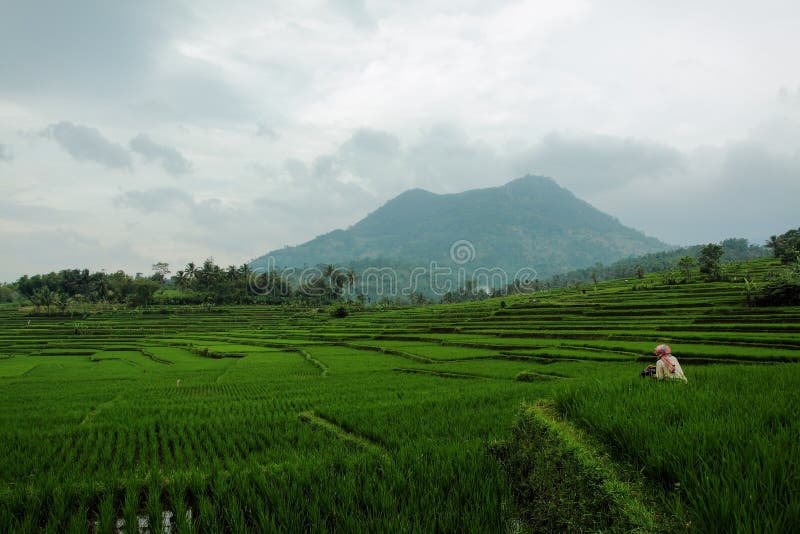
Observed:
{"x":530,"y":222}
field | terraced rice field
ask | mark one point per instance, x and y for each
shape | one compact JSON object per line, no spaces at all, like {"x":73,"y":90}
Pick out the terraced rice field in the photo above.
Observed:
{"x":268,"y":419}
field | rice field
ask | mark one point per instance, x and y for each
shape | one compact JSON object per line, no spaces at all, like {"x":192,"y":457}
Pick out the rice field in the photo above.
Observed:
{"x":243,"y":419}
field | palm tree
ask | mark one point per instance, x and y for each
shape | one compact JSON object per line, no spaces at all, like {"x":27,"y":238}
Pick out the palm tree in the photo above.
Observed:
{"x":772,"y":241}
{"x":191,"y":270}
{"x":208,"y":273}
{"x":328,"y":272}
{"x":43,"y":297}
{"x":61,"y":302}
{"x":774,"y":244}
{"x":181,"y":279}
{"x":685,"y":264}
{"x":102,"y":287}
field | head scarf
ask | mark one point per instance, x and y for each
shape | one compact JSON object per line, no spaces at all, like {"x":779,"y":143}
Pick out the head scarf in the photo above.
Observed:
{"x":663,"y":351}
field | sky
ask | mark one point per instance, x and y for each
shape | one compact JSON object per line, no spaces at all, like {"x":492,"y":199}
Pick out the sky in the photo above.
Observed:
{"x":137,"y":132}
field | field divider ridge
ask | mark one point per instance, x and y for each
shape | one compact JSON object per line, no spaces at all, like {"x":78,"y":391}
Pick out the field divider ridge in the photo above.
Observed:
{"x":394,"y":352}
{"x":444,"y":374}
{"x":345,"y":435}
{"x":561,"y":464}
{"x":313,"y":361}
{"x":97,"y":409}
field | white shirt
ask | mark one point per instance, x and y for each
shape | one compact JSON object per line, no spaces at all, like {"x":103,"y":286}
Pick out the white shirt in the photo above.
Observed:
{"x":662,"y":371}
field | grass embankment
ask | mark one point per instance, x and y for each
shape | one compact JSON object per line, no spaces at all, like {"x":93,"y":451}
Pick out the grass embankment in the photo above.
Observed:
{"x":564,"y":483}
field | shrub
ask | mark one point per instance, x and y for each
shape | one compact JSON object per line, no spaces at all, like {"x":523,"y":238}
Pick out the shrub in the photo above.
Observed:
{"x":6,"y":294}
{"x":783,"y":290}
{"x":669,"y":278}
{"x":530,"y":376}
{"x":709,"y":260}
{"x":786,"y":247}
{"x":340,"y":312}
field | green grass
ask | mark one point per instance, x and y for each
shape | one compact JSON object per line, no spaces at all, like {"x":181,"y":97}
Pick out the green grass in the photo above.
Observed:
{"x":263,"y":419}
{"x":729,"y":440}
{"x":563,"y":483}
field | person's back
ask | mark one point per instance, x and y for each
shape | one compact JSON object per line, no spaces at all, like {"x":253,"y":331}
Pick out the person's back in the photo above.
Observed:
{"x":667,"y":366}
{"x":663,"y":370}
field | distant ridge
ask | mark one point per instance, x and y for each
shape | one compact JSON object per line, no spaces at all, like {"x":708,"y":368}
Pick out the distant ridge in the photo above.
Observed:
{"x":530,"y":222}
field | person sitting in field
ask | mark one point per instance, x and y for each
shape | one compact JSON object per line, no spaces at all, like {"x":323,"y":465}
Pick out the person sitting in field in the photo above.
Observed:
{"x":667,"y":366}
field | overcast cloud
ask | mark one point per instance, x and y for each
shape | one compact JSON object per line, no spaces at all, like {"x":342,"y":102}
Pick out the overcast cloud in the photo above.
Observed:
{"x":170,"y":159}
{"x":150,"y":131}
{"x":6,"y":154}
{"x":88,"y":144}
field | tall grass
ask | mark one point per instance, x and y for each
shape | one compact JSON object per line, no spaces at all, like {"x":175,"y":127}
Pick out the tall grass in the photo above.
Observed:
{"x":727,"y":444}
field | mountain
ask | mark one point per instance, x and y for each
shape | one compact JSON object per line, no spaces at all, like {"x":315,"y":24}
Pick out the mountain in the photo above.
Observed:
{"x":530,"y":222}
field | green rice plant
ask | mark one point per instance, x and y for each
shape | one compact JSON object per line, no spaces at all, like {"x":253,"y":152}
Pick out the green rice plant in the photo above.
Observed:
{"x":734,"y":459}
{"x":106,"y":514}
{"x":131,"y":506}
{"x":226,"y":433}
{"x":208,"y":519}
{"x":155,"y":509}
{"x":78,"y":523}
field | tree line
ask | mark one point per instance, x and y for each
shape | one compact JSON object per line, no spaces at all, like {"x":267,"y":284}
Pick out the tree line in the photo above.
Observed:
{"x":679,"y":259}
{"x":210,"y":284}
{"x":206,"y":283}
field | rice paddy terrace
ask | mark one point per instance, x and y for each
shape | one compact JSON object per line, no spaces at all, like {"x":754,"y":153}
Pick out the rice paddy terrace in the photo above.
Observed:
{"x":268,"y":419}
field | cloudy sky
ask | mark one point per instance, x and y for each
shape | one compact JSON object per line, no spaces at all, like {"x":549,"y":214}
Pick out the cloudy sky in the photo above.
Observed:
{"x":135,"y":132}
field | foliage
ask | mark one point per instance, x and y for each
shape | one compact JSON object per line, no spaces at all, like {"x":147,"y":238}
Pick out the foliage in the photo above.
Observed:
{"x":709,"y":260}
{"x":781,"y":289}
{"x":469,"y":291}
{"x":786,"y":247}
{"x":685,"y":264}
{"x":734,"y":249}
{"x":340,"y":312}
{"x":160,"y":270}
{"x":141,"y":292}
{"x":669,"y":278}
{"x":7,"y":294}
{"x":208,"y":284}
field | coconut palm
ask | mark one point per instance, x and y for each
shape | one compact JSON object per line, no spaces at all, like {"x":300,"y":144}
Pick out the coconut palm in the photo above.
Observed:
{"x":181,"y":279}
{"x":191,"y":270}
